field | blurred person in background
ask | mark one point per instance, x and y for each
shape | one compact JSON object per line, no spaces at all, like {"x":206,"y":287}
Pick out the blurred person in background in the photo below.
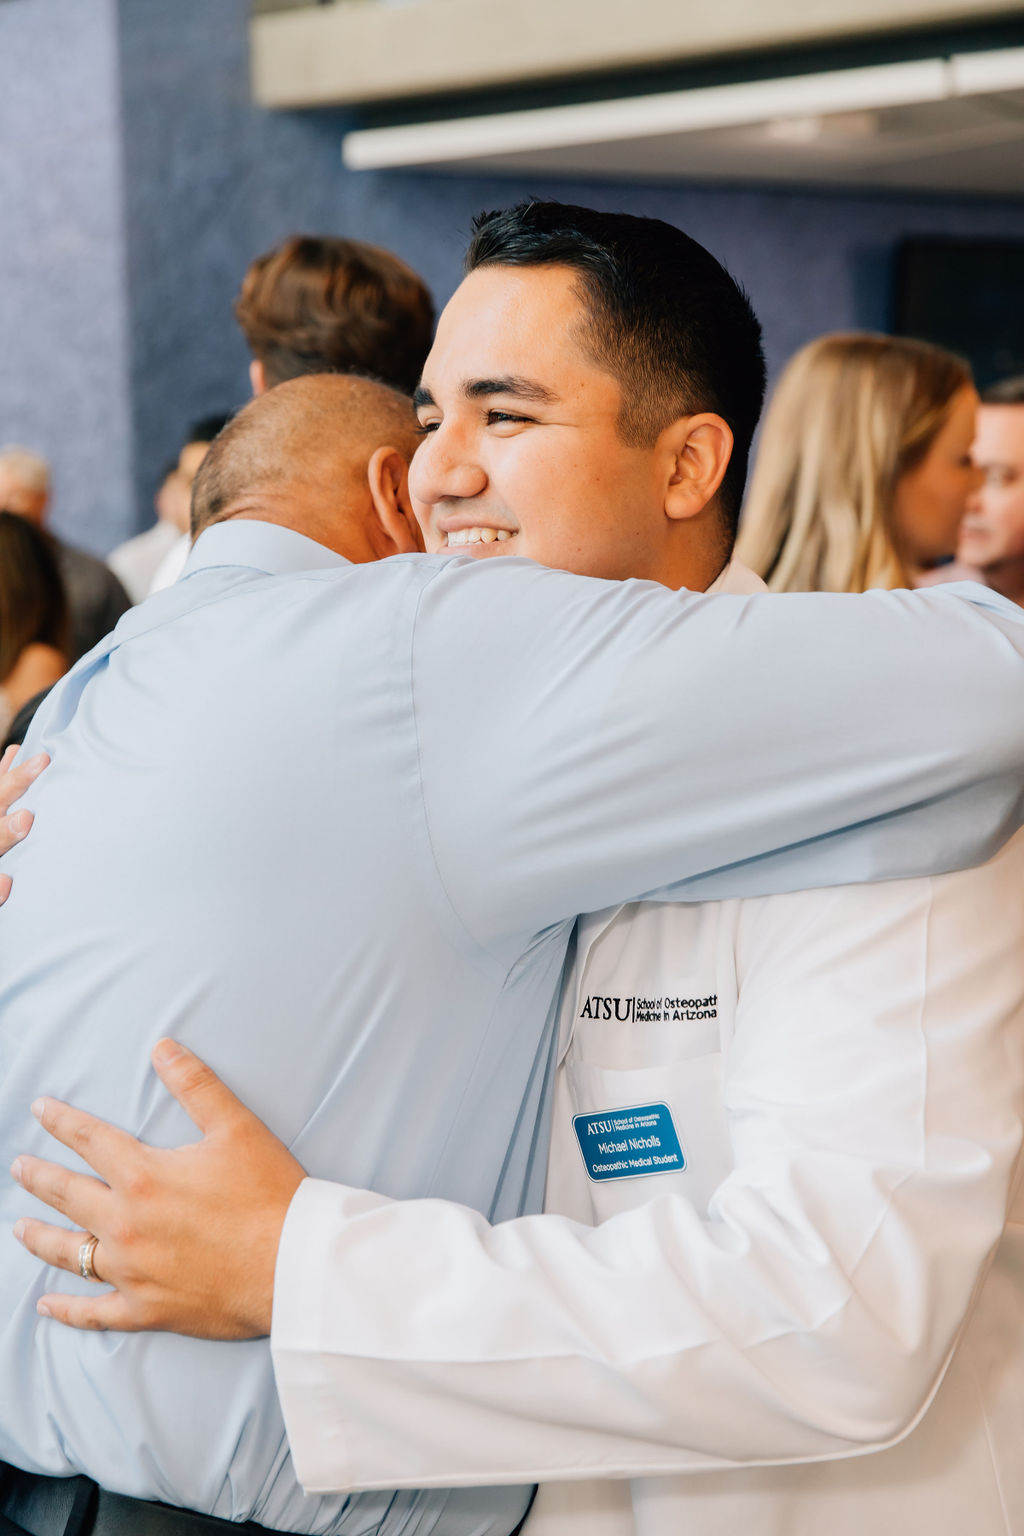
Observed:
{"x":33,"y":617}
{"x":324,"y":304}
{"x":96,"y":599}
{"x":175,"y":495}
{"x":864,"y":468}
{"x":991,"y":547}
{"x":135,"y":562}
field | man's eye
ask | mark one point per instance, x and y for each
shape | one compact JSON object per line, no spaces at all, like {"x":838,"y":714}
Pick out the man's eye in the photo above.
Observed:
{"x":427,"y":426}
{"x":501,"y":418}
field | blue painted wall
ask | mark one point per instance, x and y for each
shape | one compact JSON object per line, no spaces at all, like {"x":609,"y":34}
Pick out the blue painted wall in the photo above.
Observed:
{"x":63,"y":323}
{"x":135,"y":211}
{"x":210,"y":181}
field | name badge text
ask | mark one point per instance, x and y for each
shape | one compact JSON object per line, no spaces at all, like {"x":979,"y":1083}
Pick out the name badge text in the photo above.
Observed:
{"x":629,"y":1143}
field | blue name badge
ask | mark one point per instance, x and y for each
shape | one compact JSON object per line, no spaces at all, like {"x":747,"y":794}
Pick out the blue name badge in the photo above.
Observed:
{"x":629,"y":1143}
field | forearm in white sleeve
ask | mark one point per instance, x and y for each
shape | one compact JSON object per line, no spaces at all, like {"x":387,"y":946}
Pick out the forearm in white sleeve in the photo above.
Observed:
{"x":874,"y":1099}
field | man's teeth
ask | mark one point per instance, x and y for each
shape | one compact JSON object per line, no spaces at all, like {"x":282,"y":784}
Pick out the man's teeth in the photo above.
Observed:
{"x":478,"y":536}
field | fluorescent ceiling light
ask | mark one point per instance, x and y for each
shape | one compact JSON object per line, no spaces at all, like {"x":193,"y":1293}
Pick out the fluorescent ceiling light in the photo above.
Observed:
{"x":976,"y":74}
{"x":810,"y":100}
{"x":641,"y":117}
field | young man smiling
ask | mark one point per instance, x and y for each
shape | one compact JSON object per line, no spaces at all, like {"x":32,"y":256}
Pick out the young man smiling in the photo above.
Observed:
{"x":734,"y":1138}
{"x":583,"y":437}
{"x":593,"y":426}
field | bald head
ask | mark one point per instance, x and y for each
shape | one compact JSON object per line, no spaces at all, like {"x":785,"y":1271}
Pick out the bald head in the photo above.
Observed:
{"x":325,"y":455}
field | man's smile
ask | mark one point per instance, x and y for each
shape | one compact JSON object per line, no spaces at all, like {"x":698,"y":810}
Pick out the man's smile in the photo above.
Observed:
{"x":455,"y":531}
{"x":476,"y":540}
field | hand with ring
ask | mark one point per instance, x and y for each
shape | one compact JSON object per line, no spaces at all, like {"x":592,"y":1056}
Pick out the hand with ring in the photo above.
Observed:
{"x":186,"y":1237}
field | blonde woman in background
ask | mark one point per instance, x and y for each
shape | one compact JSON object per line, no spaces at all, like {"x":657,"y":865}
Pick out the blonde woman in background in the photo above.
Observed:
{"x":864,"y":467}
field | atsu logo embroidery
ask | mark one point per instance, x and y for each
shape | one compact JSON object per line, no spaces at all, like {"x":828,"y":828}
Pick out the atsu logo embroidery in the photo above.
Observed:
{"x":650,"y":1010}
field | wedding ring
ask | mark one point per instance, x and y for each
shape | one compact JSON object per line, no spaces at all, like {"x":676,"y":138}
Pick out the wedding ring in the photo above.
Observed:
{"x":85,"y":1254}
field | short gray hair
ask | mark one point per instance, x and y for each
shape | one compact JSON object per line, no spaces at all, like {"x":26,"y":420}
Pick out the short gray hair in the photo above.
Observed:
{"x":29,"y":469}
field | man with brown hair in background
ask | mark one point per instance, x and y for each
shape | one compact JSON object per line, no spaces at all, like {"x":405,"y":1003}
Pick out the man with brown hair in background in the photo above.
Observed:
{"x":324,"y":304}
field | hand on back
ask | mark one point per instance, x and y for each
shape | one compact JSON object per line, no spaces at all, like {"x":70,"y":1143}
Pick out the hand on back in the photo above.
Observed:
{"x":14,"y":825}
{"x":188,"y":1236}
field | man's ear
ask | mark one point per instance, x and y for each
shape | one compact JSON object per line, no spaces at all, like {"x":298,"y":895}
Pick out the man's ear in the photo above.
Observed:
{"x":392,"y":530}
{"x":257,"y":377}
{"x":700,"y":447}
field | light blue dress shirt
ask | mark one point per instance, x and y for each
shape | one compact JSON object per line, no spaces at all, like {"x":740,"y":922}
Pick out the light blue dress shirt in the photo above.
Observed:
{"x":330,"y":825}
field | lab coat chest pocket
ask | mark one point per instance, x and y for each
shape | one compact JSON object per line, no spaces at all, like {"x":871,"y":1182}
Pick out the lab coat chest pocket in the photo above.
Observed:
{"x":654,"y":1012}
{"x":690,"y":1090}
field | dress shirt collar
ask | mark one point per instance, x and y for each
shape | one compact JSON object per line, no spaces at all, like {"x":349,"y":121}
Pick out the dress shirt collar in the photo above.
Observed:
{"x":263,"y":546}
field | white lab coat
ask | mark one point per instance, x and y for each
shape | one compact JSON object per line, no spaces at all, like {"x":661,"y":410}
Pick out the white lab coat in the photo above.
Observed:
{"x":851,"y":1118}
{"x":962,"y":1469}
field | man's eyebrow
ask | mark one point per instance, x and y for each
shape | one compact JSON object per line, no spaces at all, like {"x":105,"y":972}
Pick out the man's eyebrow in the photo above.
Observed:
{"x":422,"y":396}
{"x":510,"y":384}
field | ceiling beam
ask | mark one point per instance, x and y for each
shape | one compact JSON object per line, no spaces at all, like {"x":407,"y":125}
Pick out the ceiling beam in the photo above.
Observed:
{"x":368,"y":50}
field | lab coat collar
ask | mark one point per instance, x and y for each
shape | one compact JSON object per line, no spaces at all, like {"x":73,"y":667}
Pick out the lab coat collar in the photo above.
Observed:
{"x":262,"y":546}
{"x":738,"y":579}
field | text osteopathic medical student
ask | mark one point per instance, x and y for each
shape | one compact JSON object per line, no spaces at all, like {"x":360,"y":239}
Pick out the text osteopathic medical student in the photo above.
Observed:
{"x":432,"y":1348}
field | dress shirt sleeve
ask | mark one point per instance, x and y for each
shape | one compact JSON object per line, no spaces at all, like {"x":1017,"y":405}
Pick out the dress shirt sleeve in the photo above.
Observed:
{"x":874,"y":1099}
{"x":583,"y":743}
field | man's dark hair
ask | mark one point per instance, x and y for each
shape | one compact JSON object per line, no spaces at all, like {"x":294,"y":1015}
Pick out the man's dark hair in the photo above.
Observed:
{"x":323,"y":304}
{"x":1006,"y":392}
{"x":665,"y":318}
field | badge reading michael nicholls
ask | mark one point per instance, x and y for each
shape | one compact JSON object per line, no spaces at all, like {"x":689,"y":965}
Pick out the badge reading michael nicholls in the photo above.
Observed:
{"x":629,"y":1143}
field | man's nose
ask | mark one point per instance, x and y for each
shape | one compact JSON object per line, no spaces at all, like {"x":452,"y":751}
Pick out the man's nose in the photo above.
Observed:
{"x":445,"y":468}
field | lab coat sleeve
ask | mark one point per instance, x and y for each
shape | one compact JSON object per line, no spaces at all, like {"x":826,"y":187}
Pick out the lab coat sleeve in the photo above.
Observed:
{"x":874,"y":1098}
{"x":584,"y":743}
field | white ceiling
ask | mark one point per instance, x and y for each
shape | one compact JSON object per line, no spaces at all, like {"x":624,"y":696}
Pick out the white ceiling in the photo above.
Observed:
{"x":933,"y":124}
